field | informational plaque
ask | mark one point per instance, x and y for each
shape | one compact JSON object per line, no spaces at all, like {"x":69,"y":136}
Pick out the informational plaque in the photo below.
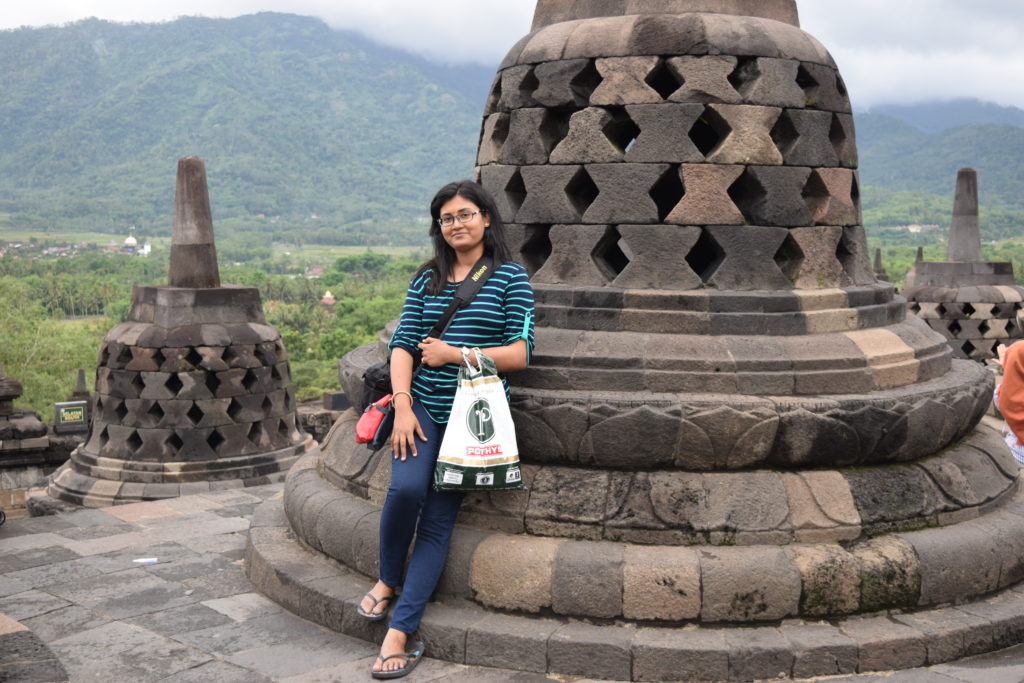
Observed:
{"x":71,"y":417}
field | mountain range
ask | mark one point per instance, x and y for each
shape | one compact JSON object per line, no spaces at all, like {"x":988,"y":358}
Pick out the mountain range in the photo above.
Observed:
{"x":326,"y":136}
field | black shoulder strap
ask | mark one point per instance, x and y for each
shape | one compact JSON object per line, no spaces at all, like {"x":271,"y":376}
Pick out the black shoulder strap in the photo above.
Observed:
{"x":467,"y":289}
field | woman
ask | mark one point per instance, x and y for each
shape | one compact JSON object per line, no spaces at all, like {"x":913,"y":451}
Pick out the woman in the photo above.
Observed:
{"x":466,"y":226}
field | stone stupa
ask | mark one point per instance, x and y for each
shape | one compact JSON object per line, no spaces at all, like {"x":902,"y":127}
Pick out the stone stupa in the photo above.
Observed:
{"x":739,"y":448}
{"x":194,"y":391}
{"x":975,"y":304}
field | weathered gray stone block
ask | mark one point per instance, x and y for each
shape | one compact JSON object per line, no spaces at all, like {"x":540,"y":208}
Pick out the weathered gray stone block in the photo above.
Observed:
{"x":661,"y":583}
{"x":588,"y":579}
{"x":758,"y":653}
{"x":564,"y":83}
{"x":624,"y":193}
{"x":803,"y":137}
{"x":703,"y":79}
{"x":885,"y":645}
{"x":748,"y":584}
{"x":662,"y":128}
{"x":749,"y":138}
{"x":679,"y":654}
{"x":591,"y":651}
{"x":769,"y":195}
{"x":547,"y":195}
{"x":506,"y":642}
{"x":819,"y":650}
{"x":624,"y":81}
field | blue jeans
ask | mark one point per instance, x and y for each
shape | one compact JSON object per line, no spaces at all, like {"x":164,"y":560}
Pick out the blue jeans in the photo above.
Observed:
{"x":413,"y":506}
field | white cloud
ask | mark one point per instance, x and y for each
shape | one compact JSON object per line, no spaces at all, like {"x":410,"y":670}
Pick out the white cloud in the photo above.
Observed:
{"x":888,"y":50}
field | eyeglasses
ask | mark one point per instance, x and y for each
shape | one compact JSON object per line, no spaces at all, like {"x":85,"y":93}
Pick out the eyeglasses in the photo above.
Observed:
{"x":448,"y":221}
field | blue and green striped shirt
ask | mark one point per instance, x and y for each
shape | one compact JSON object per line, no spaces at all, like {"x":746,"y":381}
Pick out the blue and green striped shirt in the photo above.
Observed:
{"x":499,"y":315}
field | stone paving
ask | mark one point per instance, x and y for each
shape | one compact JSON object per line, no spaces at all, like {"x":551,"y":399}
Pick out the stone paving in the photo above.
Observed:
{"x":157,"y":592}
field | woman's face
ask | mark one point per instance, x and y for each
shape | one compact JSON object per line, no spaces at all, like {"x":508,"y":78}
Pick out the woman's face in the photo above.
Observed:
{"x":468,"y":224}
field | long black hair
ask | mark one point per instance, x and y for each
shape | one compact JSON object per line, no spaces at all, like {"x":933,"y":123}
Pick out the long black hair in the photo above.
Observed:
{"x":443,"y":262}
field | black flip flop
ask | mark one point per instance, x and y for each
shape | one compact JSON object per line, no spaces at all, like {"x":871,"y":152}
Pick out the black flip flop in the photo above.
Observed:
{"x":411,"y":657}
{"x":371,"y":615}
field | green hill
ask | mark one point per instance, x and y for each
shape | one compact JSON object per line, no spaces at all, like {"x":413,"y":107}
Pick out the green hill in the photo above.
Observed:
{"x":293,"y":119}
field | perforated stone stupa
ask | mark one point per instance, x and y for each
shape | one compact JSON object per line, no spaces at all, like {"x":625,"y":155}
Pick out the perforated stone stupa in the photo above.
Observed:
{"x":975,"y":304}
{"x":727,"y":420}
{"x":194,"y":391}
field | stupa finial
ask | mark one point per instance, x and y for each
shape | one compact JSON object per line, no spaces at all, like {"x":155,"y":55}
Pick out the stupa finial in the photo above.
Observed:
{"x":193,"y":253}
{"x":965,"y":232}
{"x":555,"y":11}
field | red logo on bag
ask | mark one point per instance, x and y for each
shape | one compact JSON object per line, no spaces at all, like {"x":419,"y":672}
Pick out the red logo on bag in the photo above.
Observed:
{"x":483,"y":450}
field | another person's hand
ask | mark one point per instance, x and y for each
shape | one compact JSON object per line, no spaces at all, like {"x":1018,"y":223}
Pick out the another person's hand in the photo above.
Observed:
{"x":437,"y":353}
{"x":1000,"y":355}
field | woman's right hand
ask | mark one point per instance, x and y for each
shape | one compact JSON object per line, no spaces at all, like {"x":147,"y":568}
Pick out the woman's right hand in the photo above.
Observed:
{"x":405,"y":431}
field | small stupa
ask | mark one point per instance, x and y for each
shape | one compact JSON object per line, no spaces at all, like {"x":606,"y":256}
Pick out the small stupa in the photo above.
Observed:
{"x":194,"y":391}
{"x":971,"y":302}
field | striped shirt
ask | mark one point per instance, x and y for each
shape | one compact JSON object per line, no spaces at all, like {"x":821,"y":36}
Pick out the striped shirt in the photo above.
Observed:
{"x":499,"y":315}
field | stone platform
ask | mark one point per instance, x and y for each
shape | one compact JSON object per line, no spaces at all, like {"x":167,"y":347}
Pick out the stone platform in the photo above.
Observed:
{"x":457,"y":630}
{"x":193,"y":616}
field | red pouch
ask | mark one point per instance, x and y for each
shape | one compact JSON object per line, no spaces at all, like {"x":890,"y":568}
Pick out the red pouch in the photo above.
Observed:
{"x":369,"y":426}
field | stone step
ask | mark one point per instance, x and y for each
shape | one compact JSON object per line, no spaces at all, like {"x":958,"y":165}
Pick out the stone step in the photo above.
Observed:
{"x":322,"y":590}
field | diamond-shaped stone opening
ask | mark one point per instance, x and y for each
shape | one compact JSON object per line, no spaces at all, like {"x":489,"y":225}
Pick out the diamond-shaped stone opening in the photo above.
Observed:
{"x":155,"y":412}
{"x":137,"y":384}
{"x":784,"y":133}
{"x":663,"y":80}
{"x":940,"y":310}
{"x":99,"y":405}
{"x":1011,"y":329}
{"x":815,"y":193}
{"x":705,"y":257}
{"x":124,"y":356}
{"x":789,"y":258}
{"x":134,"y":441}
{"x":215,"y":440}
{"x":608,"y":255}
{"x":195,"y":413}
{"x":621,"y":131}
{"x":528,"y":85}
{"x":747,"y":194}
{"x":158,"y":357}
{"x":667,"y":192}
{"x":953,"y":327}
{"x":499,"y":133}
{"x":265,"y":354}
{"x":250,"y":380}
{"x":968,"y":348}
{"x":585,"y":83}
{"x":121,"y":411}
{"x":229,"y":356}
{"x":212,"y":382}
{"x":744,"y":75}
{"x":275,"y":374}
{"x":554,"y":127}
{"x":837,"y":136}
{"x":581,"y":190}
{"x":914,"y":307}
{"x":104,"y":355}
{"x":283,"y":428}
{"x":234,"y":410}
{"x":855,"y":192}
{"x":494,"y":96}
{"x":266,"y":405}
{"x":515,"y":193}
{"x":808,"y":84}
{"x":255,"y":433}
{"x":968,"y":310}
{"x":174,"y":443}
{"x":289,"y":398}
{"x":194,"y":358}
{"x":846,"y":253}
{"x":104,"y":437}
{"x":841,"y":86}
{"x":708,"y":131}
{"x":174,"y":384}
{"x":537,"y":247}
{"x":984,"y":327}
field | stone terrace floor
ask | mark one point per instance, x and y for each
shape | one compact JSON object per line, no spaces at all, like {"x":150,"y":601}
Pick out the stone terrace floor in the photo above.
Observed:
{"x":156,"y":592}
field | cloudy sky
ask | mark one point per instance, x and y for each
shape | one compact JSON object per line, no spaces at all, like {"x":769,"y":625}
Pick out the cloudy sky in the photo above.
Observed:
{"x":888,"y":50}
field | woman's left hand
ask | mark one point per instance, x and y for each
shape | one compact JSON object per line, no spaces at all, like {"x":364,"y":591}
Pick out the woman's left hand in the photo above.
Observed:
{"x":437,"y":353}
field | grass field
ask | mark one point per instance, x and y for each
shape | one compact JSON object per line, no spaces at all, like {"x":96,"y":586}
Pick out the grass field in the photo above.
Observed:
{"x":325,"y":252}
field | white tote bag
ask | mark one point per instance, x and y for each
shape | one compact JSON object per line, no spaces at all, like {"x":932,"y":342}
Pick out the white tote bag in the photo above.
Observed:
{"x":479,"y":451}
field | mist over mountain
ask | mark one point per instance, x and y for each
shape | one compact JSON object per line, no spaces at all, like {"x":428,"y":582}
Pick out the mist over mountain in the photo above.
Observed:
{"x":329,"y":137}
